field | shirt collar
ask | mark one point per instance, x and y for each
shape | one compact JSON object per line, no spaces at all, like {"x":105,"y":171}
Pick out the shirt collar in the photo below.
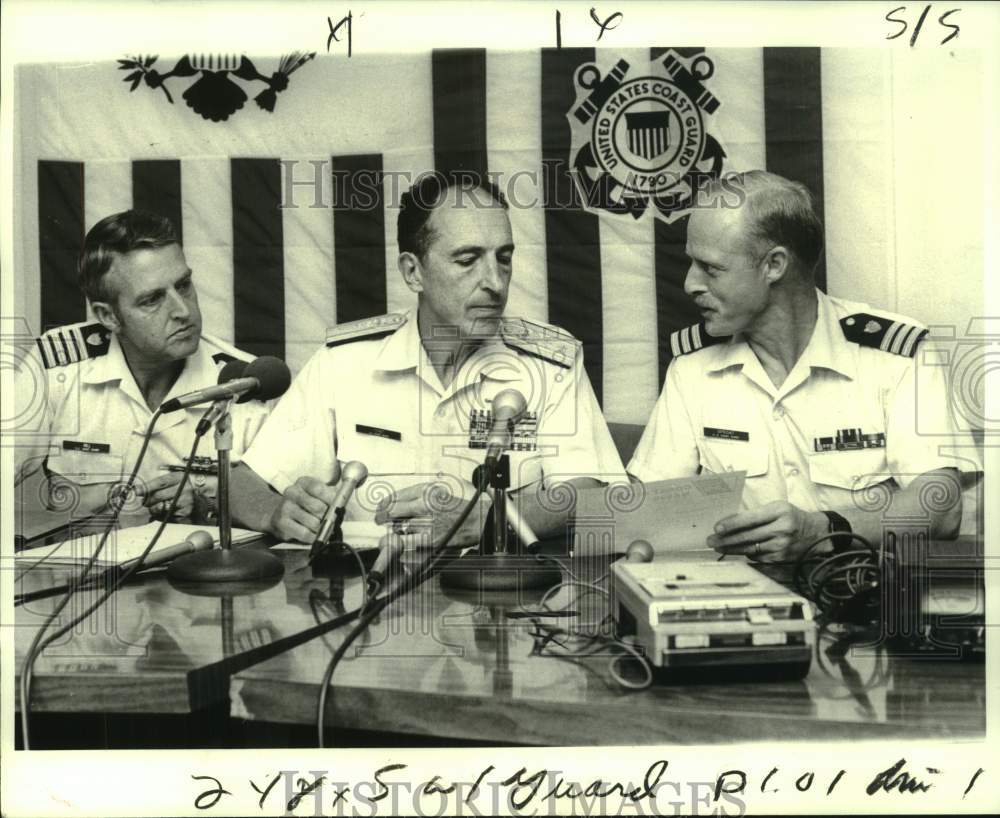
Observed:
{"x":199,"y":371}
{"x":403,"y":350}
{"x":827,"y":347}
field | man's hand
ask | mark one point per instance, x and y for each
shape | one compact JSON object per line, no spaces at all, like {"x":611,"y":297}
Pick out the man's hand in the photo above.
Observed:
{"x":775,"y":532}
{"x":421,"y":515}
{"x":158,"y":493}
{"x":300,"y":513}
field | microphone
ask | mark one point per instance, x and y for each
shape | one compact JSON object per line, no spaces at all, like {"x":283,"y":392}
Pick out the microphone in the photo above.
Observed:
{"x":230,"y":372}
{"x":508,"y":406}
{"x":639,"y":551}
{"x":195,"y":541}
{"x":387,"y":556}
{"x":354,"y":475}
{"x":264,"y":378}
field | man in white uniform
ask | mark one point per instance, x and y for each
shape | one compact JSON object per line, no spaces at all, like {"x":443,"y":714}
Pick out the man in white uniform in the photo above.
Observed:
{"x":816,"y":398}
{"x":91,"y":388}
{"x":409,"y":394}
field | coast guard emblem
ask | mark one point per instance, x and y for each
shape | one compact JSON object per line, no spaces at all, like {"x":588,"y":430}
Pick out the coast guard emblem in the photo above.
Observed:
{"x":642,"y":140}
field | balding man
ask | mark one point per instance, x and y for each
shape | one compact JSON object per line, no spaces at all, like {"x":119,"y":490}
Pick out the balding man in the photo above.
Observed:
{"x":410,"y":394}
{"x":813,"y":396}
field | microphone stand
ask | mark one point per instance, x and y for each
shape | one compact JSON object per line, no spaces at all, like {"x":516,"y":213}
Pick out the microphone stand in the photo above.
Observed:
{"x":499,"y":483}
{"x":223,"y":564}
{"x":503,"y":568}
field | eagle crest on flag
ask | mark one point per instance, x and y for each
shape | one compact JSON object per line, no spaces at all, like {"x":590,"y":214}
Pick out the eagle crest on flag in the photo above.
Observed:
{"x":215,"y":95}
{"x":644,"y":139}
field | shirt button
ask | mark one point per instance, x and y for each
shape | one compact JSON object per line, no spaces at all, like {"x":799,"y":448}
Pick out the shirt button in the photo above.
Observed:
{"x":778,"y":413}
{"x":793,"y":472}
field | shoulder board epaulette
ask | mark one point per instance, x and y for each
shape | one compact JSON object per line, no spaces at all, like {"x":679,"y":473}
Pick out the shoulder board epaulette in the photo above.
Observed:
{"x":879,"y":332}
{"x":693,"y":338}
{"x":365,"y":329}
{"x":224,"y":352}
{"x":541,"y":341}
{"x":73,"y":343}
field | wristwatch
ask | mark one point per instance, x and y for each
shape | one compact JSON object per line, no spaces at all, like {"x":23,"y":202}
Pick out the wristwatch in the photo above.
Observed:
{"x":839,"y":525}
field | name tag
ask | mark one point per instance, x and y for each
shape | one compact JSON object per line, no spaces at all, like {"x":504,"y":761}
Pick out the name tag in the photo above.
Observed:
{"x":725,"y":434}
{"x":374,"y":431}
{"x":847,"y":440}
{"x":83,"y":446}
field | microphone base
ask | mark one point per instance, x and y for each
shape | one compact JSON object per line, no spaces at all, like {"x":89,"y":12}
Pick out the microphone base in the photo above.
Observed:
{"x":218,"y":565}
{"x":499,"y":572}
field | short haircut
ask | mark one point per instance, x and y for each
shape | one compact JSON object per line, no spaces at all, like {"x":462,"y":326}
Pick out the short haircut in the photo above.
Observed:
{"x":413,"y":234}
{"x":779,"y":211}
{"x":117,"y":235}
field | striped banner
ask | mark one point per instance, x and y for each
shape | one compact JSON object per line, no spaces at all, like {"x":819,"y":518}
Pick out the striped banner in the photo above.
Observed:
{"x":273,"y":275}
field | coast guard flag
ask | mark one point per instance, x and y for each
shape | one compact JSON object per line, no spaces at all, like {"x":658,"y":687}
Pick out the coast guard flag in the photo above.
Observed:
{"x":272,"y":279}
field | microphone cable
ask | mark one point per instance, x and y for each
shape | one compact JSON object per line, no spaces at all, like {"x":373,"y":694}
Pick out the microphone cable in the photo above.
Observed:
{"x":586,"y":642}
{"x":318,"y":599}
{"x":377,"y":605}
{"x":844,"y":586}
{"x":38,"y":645}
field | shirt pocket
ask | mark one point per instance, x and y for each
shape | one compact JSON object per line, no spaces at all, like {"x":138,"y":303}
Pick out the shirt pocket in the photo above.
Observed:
{"x":87,"y":468}
{"x":719,"y":455}
{"x":851,"y":469}
{"x":383,"y":448}
{"x":528,"y":467}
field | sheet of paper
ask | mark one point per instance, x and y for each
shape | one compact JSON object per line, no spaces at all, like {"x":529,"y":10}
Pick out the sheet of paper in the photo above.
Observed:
{"x":674,"y":516}
{"x":362,"y":534}
{"x":123,"y":544}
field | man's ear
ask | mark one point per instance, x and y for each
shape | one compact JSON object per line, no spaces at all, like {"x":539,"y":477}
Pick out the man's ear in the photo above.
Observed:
{"x":777,"y":264}
{"x":105,"y":313}
{"x":413,"y":274}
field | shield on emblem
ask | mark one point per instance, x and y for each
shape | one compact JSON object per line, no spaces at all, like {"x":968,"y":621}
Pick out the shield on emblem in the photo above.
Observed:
{"x":648,"y":133}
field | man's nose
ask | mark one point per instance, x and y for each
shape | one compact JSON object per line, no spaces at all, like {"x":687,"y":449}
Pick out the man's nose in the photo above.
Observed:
{"x":492,"y":277}
{"x":694,"y":282}
{"x":179,"y":306}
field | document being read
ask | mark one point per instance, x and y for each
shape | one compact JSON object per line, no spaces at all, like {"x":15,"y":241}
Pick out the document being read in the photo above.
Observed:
{"x":671,"y":515}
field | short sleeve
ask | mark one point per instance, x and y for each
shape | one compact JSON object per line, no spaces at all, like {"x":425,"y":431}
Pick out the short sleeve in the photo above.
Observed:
{"x":922,"y":433}
{"x":297,"y":439}
{"x":576,"y":427}
{"x":668,"y":446}
{"x":31,"y":428}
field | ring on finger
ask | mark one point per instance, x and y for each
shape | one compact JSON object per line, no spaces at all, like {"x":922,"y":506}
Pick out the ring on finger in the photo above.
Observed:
{"x":756,"y":549}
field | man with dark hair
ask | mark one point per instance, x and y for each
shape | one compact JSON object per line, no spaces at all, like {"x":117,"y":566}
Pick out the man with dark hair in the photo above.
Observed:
{"x":410,"y":394}
{"x":814,"y":397}
{"x":104,"y":379}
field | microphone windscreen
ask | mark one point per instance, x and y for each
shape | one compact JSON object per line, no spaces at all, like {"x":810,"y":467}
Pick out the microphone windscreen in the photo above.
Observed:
{"x":356,"y":471}
{"x":274,"y":377}
{"x":508,"y":405}
{"x":232,"y":370}
{"x":639,"y":551}
{"x":200,"y":540}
